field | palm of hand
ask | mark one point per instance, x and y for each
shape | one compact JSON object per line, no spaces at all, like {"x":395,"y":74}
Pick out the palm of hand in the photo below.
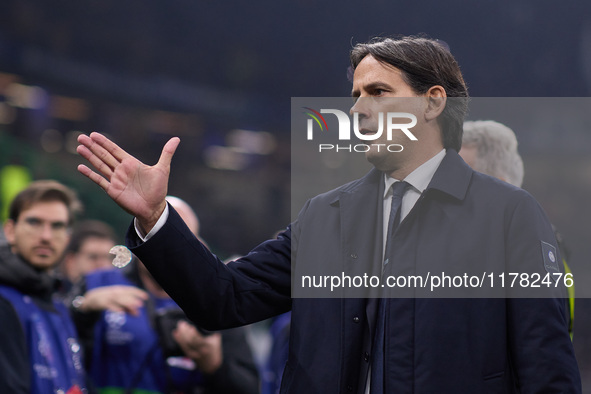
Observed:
{"x":137,"y":188}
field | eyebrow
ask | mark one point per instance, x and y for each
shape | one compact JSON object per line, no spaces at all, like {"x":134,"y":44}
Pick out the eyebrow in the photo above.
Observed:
{"x":30,"y":219}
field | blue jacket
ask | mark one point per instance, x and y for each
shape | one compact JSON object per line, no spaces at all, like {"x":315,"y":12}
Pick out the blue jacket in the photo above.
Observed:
{"x":54,"y":354}
{"x":275,"y":363}
{"x":433,"y":345}
{"x":127,"y":350}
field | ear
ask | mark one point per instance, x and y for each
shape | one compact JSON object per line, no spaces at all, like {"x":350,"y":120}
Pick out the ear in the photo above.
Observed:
{"x":9,"y":231}
{"x":437,"y":99}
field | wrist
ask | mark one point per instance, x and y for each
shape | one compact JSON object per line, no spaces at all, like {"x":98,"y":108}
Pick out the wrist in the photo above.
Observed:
{"x":146,"y":224}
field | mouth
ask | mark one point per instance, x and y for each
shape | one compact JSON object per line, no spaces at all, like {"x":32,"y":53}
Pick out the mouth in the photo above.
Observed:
{"x":44,"y":251}
{"x":367,"y":132}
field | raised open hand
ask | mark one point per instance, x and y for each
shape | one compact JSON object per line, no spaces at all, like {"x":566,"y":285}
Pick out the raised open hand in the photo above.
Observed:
{"x":136,"y":187}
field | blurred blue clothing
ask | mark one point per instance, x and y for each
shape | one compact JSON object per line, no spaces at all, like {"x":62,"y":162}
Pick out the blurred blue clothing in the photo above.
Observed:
{"x":127,"y":353}
{"x":275,"y":364}
{"x":132,"y":352}
{"x":39,"y":349}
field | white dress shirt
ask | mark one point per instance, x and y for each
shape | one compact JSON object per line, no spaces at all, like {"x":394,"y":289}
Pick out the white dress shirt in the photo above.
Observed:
{"x":418,"y":180}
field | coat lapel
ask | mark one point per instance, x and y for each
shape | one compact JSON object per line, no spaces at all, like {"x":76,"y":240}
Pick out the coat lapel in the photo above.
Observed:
{"x":361,"y":235}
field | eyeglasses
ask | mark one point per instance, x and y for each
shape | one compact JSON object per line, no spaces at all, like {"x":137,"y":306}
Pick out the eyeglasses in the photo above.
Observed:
{"x":95,"y":257}
{"x":36,"y":226}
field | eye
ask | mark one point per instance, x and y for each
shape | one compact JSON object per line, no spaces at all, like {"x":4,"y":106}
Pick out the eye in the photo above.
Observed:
{"x":58,"y":226}
{"x":33,"y":222}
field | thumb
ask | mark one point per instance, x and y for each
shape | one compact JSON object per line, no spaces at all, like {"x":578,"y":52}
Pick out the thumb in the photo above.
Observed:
{"x":168,"y":152}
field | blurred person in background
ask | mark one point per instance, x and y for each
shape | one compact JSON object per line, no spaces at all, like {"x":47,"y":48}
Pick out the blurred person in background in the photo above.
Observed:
{"x":87,"y":251}
{"x":137,"y":338}
{"x":277,"y":358}
{"x":274,"y":363}
{"x":490,"y":147}
{"x":39,"y":349}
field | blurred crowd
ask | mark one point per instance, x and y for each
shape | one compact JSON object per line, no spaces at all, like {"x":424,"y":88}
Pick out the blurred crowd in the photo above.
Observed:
{"x":74,"y":323}
{"x":77,"y":321}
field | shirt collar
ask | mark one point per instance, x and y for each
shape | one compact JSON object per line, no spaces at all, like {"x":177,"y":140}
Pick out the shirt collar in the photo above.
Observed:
{"x":420,"y":178}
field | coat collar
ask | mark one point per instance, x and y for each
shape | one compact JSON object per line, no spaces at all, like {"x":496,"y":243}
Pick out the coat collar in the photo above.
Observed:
{"x":371,"y":181}
{"x":452,"y":177}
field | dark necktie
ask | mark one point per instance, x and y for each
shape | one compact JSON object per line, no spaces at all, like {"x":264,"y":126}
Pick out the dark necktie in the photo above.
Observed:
{"x":378,"y":359}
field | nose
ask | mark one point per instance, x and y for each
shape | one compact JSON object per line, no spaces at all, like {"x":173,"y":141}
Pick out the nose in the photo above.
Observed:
{"x":361,"y":107}
{"x":46,"y":231}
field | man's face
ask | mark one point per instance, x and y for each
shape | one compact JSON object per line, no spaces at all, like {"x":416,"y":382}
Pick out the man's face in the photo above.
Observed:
{"x":40,"y":234}
{"x":93,"y":255}
{"x":380,"y":88}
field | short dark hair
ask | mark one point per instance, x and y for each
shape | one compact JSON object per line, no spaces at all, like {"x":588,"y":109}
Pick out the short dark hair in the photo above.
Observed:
{"x":424,"y":63}
{"x":45,"y":191}
{"x":89,"y":229}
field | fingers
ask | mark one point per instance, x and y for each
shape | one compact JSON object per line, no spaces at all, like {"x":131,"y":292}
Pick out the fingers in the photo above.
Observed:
{"x":130,"y":299}
{"x":117,"y":298}
{"x":101,"y":154}
{"x":109,"y":146}
{"x":206,"y":351}
{"x":138,"y":293}
{"x":188,"y":331}
{"x":188,"y":337}
{"x":99,"y":158}
{"x":187,"y":334}
{"x":96,"y":161}
{"x":168,"y":152}
{"x":182,"y":331}
{"x":104,"y":155}
{"x":93,"y":176}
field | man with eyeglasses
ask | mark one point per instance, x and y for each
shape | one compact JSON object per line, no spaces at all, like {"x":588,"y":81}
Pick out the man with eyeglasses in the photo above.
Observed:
{"x":39,"y":349}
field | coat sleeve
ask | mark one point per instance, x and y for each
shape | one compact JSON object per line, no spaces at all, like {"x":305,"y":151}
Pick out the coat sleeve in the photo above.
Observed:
{"x":541,"y":351}
{"x":212,"y":294}
{"x":15,"y":372}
